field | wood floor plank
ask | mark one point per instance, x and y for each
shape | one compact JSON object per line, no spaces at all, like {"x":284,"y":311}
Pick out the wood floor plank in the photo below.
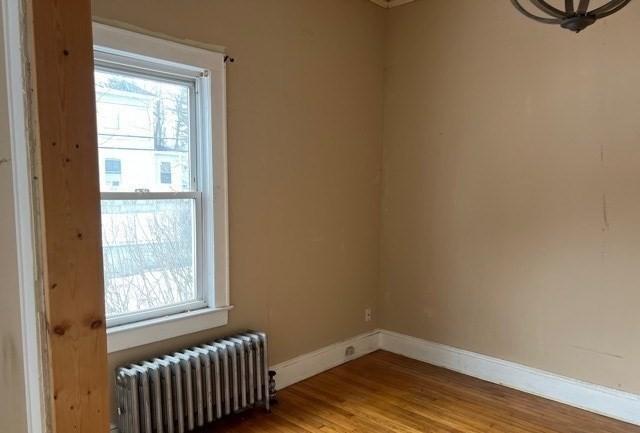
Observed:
{"x":387,"y":393}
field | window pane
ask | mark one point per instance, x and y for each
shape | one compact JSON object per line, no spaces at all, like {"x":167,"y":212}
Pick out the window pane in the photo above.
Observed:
{"x":112,"y":172}
{"x":112,"y":166}
{"x":148,"y":254}
{"x":145,"y":124}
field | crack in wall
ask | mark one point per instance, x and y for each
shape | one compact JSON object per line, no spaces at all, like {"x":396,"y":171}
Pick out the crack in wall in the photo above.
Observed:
{"x":605,"y":210}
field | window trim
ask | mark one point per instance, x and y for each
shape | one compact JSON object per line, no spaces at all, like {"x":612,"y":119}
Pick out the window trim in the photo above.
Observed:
{"x":208,"y":69}
{"x":161,"y":328}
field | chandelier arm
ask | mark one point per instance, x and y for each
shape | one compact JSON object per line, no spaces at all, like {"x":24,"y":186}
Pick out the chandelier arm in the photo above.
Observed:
{"x":547,"y":8}
{"x":612,"y":11}
{"x":569,"y":7}
{"x":534,"y":17}
{"x":583,"y":7}
{"x":613,"y":4}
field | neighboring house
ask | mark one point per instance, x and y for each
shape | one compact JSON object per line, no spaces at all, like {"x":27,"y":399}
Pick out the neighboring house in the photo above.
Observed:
{"x":140,"y":145}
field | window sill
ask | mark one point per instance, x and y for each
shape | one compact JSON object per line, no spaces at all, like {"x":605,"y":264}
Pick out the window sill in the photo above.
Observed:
{"x":163,"y":328}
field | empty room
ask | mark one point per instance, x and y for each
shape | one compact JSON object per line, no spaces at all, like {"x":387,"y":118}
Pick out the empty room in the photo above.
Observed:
{"x":337,"y":216}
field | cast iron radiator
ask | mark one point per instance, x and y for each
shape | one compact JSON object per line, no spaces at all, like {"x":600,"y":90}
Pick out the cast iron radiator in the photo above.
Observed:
{"x":180,"y":392}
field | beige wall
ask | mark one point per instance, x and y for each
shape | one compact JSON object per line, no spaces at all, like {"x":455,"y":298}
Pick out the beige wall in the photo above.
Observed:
{"x":511,"y":221}
{"x":12,"y":392}
{"x":511,"y":171}
{"x":305,"y":144}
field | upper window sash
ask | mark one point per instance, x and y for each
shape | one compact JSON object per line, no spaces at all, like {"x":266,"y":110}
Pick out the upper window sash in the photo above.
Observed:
{"x":150,"y":69}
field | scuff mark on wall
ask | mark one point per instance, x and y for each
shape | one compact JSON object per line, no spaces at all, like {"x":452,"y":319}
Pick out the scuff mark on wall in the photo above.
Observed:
{"x":605,"y":213}
{"x":598,"y":352}
{"x":10,"y":360}
{"x":4,"y":160}
{"x":605,"y":210}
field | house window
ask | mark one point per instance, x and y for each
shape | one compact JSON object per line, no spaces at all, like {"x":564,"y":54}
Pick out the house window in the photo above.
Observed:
{"x":165,"y":173}
{"x":164,"y":237}
{"x":112,"y":172}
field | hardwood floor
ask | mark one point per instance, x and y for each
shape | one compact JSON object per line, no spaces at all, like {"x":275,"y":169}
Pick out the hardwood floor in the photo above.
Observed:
{"x":386,"y":393}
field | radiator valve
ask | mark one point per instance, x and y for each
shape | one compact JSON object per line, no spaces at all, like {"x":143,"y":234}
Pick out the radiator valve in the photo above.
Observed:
{"x":272,"y":387}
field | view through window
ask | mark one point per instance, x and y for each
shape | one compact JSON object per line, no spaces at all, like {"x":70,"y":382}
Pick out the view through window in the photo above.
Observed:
{"x":150,"y":193}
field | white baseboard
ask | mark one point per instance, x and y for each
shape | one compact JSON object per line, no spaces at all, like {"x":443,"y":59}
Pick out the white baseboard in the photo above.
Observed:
{"x":593,"y":398}
{"x":310,"y":364}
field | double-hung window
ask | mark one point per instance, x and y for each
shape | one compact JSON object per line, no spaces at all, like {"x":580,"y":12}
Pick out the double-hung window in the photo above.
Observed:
{"x":163,"y":187}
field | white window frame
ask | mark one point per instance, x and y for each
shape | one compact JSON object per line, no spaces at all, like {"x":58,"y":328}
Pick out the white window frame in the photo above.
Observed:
{"x":207,"y":70}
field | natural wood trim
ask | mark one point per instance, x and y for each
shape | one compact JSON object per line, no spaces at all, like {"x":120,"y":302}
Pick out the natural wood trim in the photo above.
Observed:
{"x":69,"y":213}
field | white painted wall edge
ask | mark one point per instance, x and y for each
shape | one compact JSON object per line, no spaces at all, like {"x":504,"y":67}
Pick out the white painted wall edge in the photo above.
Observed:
{"x":593,"y":398}
{"x":388,"y":4}
{"x":35,"y":404}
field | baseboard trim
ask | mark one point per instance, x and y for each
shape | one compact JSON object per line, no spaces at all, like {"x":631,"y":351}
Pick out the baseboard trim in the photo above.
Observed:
{"x":311,"y":364}
{"x":593,"y":398}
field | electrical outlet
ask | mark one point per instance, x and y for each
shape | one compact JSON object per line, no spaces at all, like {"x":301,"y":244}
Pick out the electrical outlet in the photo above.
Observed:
{"x":350,"y":351}
{"x":367,"y":315}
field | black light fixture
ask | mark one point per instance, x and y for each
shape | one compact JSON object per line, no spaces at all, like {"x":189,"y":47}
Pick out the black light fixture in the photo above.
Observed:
{"x":571,"y":18}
